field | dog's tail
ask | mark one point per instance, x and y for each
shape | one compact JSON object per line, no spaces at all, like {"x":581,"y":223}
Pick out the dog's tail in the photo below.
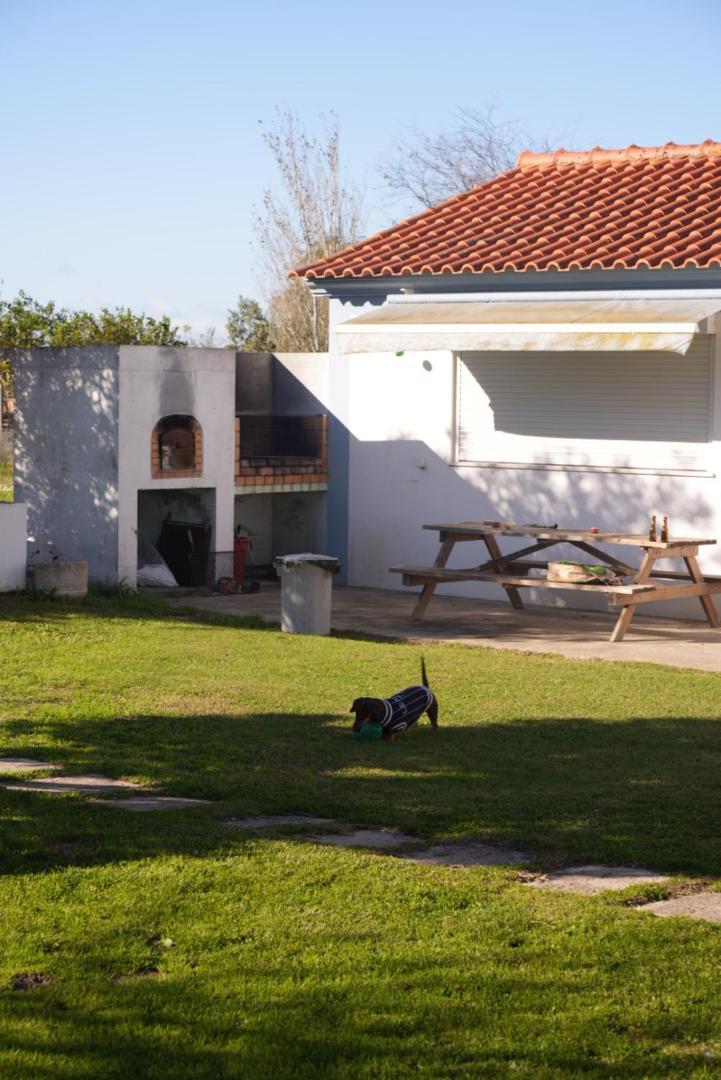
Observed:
{"x":424,"y":673}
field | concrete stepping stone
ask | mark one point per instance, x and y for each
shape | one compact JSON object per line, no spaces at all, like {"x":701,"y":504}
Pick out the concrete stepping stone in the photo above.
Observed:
{"x":22,"y":764}
{"x":590,"y":880}
{"x":370,"y":838}
{"x":701,"y":905}
{"x":139,"y":803}
{"x":60,"y":785}
{"x":468,"y":853}
{"x":272,"y":821}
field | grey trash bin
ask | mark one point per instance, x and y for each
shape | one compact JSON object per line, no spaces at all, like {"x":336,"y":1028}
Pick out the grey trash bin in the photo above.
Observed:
{"x":306,"y":582}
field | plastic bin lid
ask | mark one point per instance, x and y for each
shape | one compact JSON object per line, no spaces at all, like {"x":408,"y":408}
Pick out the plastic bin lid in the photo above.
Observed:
{"x":307,"y":558}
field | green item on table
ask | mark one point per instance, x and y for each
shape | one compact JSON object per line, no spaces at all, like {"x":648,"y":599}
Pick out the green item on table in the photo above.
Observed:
{"x":369,"y":731}
{"x":590,"y":568}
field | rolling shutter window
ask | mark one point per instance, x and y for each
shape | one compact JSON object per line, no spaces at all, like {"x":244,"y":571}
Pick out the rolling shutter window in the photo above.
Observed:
{"x":607,"y":410}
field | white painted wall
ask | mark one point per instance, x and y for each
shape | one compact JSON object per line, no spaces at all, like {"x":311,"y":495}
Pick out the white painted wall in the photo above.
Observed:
{"x":13,"y":545}
{"x":309,"y":373}
{"x":66,"y":467}
{"x":156,"y":382}
{"x":400,"y":414}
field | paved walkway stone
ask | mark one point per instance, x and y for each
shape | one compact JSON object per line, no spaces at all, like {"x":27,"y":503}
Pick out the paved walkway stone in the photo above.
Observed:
{"x":60,"y":785}
{"x":468,"y":854}
{"x":272,"y":821}
{"x":702,"y":905}
{"x":22,"y":764}
{"x":370,"y":838}
{"x":140,"y":798}
{"x":590,"y":880}
{"x":153,"y":802}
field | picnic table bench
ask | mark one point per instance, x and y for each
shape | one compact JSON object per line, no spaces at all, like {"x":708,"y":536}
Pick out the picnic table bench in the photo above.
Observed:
{"x":513,"y":570}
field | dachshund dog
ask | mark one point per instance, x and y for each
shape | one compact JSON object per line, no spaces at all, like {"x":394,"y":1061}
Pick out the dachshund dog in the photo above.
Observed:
{"x":398,"y":713}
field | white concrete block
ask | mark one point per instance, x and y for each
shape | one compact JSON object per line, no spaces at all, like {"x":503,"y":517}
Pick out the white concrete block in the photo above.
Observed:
{"x":13,"y":546}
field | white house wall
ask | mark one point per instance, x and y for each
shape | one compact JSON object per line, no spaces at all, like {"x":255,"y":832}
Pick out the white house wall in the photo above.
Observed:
{"x":400,"y":411}
{"x":155,"y":382}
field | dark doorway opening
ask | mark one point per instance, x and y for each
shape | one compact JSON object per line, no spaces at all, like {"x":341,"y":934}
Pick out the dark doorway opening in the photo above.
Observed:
{"x":185,"y":546}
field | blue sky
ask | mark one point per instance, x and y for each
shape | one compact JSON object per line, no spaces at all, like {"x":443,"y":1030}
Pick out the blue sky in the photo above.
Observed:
{"x":132,"y":150}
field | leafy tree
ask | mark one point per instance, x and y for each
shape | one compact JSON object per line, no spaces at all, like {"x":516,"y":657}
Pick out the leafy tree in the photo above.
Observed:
{"x":317,"y":213}
{"x":26,"y":323}
{"x":247,"y":326}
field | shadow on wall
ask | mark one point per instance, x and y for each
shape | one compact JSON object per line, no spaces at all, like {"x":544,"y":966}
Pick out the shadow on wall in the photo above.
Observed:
{"x":66,"y":466}
{"x":397,"y":486}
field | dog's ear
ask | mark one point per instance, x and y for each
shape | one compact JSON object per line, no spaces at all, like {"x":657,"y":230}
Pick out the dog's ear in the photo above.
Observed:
{"x":355,"y":705}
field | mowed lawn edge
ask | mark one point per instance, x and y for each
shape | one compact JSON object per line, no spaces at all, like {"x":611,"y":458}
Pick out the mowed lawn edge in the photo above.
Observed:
{"x":177,"y":945}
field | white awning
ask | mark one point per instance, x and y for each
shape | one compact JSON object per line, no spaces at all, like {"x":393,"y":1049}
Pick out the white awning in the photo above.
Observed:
{"x":520,"y":325}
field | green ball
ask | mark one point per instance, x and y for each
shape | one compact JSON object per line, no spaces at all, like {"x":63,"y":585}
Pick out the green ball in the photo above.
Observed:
{"x":369,"y":731}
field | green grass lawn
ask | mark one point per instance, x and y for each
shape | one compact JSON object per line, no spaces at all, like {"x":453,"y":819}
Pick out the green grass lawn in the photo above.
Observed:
{"x":180,"y":947}
{"x":6,"y":481}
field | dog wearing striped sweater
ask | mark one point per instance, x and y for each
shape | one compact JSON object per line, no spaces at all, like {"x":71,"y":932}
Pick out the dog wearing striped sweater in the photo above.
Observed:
{"x":399,"y":713}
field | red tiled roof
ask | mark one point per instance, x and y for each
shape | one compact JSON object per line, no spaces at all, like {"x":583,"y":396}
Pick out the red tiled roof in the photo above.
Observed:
{"x":643,"y":207}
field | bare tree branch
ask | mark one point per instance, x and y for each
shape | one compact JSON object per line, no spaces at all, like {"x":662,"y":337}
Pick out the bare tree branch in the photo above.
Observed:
{"x":317,"y":213}
{"x":431,"y":167}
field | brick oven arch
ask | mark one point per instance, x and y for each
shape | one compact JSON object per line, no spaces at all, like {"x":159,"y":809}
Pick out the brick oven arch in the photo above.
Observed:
{"x":176,"y":448}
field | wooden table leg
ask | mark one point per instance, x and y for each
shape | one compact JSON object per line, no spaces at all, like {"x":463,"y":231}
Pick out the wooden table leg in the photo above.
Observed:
{"x":706,"y":602}
{"x":629,"y":610}
{"x":427,"y":591}
{"x":495,"y":552}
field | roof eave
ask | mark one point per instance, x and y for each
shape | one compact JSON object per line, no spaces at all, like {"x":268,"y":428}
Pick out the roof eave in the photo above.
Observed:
{"x":361,"y":289}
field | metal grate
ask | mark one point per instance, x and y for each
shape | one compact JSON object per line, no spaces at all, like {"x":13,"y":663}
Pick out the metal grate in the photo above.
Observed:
{"x":281,"y":436}
{"x":220,"y":564}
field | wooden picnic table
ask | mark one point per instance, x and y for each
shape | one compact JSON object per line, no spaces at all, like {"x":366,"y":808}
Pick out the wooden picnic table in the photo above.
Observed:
{"x":513,"y":569}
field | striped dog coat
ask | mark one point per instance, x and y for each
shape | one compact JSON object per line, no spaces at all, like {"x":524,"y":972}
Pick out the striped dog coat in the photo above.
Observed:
{"x":404,"y":709}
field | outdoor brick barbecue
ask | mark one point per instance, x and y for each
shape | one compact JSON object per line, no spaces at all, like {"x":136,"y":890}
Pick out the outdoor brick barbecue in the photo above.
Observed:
{"x":281,"y":452}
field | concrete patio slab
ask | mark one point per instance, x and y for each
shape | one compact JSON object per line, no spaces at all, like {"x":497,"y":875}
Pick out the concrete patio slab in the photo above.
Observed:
{"x":702,"y":905}
{"x":16,"y":765}
{"x":579,"y":635}
{"x":61,"y":785}
{"x":369,"y":838}
{"x":468,"y":853}
{"x":590,"y":880}
{"x":153,"y":802}
{"x":272,"y":821}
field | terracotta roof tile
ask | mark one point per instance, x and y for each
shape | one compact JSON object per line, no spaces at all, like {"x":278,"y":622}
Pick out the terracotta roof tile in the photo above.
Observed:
{"x":650,"y":206}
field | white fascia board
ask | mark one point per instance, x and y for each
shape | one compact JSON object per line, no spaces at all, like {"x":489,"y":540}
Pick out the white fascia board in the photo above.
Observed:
{"x":558,"y":295}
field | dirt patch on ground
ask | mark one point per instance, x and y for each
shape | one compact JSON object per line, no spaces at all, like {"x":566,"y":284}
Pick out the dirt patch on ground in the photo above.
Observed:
{"x":30,"y":980}
{"x":142,"y":973}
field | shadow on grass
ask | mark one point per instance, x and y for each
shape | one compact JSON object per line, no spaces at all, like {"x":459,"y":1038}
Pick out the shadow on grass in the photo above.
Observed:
{"x":639,"y":792}
{"x":29,"y":607}
{"x":315,"y":1027}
